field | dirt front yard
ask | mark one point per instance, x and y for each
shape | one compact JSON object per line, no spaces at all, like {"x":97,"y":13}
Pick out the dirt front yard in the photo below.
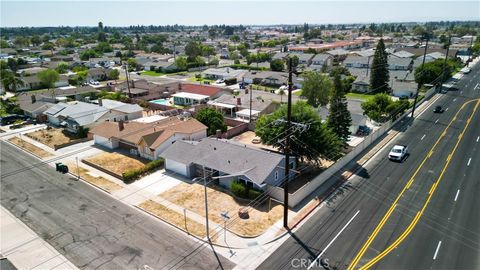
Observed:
{"x":30,"y":147}
{"x":52,"y":137}
{"x":174,"y":218}
{"x":98,"y":181}
{"x":191,"y":196}
{"x":116,"y":162}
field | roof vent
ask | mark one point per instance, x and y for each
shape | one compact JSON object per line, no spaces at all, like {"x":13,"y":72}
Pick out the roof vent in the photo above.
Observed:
{"x":214,"y":148}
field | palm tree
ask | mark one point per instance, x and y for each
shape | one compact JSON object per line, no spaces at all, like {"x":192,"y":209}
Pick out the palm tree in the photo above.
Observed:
{"x":11,"y":82}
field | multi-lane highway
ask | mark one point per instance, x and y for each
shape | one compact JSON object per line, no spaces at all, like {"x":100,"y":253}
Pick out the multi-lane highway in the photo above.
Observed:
{"x":419,"y":214}
{"x":92,"y":230}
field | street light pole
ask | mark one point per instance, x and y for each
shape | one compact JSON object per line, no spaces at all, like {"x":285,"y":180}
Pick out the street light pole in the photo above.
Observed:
{"x":445,"y":62}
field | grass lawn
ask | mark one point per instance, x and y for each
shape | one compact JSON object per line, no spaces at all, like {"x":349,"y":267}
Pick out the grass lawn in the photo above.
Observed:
{"x":298,"y":93}
{"x":29,"y":147}
{"x":175,"y":218}
{"x":52,"y":137}
{"x":98,"y":181}
{"x":116,"y":162}
{"x":152,"y":73}
{"x":191,"y":197}
{"x":359,"y":96}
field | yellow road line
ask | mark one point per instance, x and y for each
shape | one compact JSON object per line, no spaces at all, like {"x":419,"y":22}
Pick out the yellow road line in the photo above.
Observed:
{"x":390,"y":210}
{"x":414,"y":222}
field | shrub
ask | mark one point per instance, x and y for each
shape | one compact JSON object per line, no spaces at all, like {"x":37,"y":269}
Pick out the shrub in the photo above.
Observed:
{"x":231,"y":81}
{"x":253,"y":194}
{"x":132,"y":175}
{"x":239,"y":189}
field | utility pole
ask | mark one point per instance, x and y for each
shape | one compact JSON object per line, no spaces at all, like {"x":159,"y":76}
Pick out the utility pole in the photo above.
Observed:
{"x":368,"y":65}
{"x":419,"y":85}
{"x":470,"y":50}
{"x":445,"y":62}
{"x":287,"y":146}
{"x":250,"y":92}
{"x":128,"y":81}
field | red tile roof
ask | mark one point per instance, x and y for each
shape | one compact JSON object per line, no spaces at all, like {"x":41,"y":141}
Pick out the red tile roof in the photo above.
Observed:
{"x":200,"y":89}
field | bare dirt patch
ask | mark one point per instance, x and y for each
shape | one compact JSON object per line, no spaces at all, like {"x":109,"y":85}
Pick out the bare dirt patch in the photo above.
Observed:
{"x":174,"y":218}
{"x":249,"y":138}
{"x":30,"y":147}
{"x":191,"y":196}
{"x":116,"y":162}
{"x":98,"y":181}
{"x":52,"y":137}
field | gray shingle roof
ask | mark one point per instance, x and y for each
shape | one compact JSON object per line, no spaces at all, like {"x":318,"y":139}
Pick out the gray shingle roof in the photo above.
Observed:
{"x":225,"y":156}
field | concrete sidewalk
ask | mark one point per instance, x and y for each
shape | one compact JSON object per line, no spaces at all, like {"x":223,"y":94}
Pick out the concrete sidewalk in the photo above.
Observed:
{"x":25,"y":249}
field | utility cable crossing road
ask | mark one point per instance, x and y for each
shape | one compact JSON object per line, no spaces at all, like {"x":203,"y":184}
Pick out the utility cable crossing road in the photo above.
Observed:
{"x":419,"y":214}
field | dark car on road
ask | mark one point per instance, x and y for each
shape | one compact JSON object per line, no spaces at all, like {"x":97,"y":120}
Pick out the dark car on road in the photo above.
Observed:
{"x":438,"y":109}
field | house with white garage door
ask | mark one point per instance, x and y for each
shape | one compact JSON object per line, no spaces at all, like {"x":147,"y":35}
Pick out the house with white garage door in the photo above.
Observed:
{"x":254,"y":167}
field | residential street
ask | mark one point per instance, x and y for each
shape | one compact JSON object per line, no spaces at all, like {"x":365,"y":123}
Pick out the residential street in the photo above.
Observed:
{"x":91,"y":229}
{"x":341,"y":228}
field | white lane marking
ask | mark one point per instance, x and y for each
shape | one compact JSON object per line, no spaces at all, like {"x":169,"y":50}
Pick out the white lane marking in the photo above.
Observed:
{"x":461,"y":92}
{"x":329,"y":244}
{"x":436,"y":251}
{"x":446,"y":109}
{"x":478,"y":138}
{"x":423,"y":137}
{"x":468,"y":163}
{"x":475,"y":86}
{"x":454,"y":99}
{"x":436,"y":121}
{"x":456,"y":195}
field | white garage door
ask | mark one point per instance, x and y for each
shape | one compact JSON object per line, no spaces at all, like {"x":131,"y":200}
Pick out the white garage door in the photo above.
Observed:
{"x":176,"y":167}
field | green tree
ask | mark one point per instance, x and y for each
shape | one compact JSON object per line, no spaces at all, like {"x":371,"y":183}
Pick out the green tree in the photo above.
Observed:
{"x":316,"y":88}
{"x":212,"y":119}
{"x":104,"y":47}
{"x":339,"y":119}
{"x":317,"y":141}
{"x":36,"y":40}
{"x":132,"y":64}
{"x":48,"y":77}
{"x":235,"y":38}
{"x":10,"y":81}
{"x":113,"y":74}
{"x":181,"y":63}
{"x":379,"y":75}
{"x":432,"y":72}
{"x":48,"y":46}
{"x":3,"y":44}
{"x":381,"y":107}
{"x":277,"y":65}
{"x":192,"y":50}
{"x":87,"y":54}
{"x":62,"y":68}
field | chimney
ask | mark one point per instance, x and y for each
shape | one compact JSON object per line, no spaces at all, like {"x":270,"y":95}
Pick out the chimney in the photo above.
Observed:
{"x":239,"y":101}
{"x":100,"y":102}
{"x":34,"y":99}
{"x":120,"y":125}
{"x":218,"y":134}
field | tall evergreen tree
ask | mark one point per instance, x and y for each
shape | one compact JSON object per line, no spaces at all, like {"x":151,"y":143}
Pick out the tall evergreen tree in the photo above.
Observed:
{"x":379,"y":76}
{"x":339,"y":119}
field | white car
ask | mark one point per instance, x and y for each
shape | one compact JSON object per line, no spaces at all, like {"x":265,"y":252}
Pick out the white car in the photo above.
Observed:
{"x":398,"y":153}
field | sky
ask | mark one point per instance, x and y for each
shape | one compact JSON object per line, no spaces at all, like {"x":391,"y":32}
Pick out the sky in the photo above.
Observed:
{"x":196,"y":12}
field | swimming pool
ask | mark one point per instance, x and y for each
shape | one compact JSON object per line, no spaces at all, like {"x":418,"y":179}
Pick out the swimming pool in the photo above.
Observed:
{"x":161,"y":101}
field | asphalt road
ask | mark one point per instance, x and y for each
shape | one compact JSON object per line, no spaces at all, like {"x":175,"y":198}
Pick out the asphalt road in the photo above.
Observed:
{"x":86,"y":225}
{"x":341,"y":228}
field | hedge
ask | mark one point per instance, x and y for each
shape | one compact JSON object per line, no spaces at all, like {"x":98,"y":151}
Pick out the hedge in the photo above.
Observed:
{"x":241,"y":190}
{"x":132,"y":175}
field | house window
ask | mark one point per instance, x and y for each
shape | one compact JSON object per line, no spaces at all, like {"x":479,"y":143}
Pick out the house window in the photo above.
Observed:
{"x":126,"y":117}
{"x":276,"y":175}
